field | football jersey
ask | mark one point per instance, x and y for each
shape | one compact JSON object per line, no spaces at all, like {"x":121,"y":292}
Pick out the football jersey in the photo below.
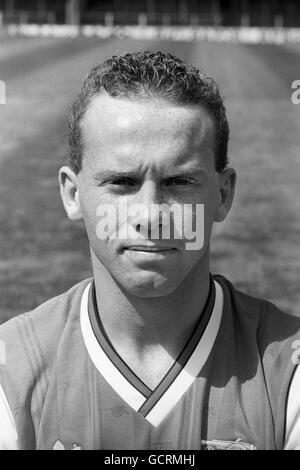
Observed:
{"x":67,"y":387}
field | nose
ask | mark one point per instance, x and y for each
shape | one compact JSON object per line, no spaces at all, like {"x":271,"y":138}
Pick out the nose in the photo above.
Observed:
{"x":148,"y":219}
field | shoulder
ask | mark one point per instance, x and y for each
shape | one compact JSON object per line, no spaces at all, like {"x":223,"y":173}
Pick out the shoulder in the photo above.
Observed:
{"x":36,"y":334}
{"x":263,"y":340}
{"x":30,"y":346}
{"x":57,"y":308}
{"x":258,"y":317}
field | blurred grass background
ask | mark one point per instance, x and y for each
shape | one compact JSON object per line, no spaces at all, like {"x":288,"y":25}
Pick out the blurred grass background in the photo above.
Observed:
{"x":257,"y":247}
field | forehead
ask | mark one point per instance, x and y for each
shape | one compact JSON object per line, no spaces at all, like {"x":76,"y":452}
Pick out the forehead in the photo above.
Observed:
{"x":147,"y":129}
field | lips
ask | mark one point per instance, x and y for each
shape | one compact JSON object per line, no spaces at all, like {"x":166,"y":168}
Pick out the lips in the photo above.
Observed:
{"x":150,"y":249}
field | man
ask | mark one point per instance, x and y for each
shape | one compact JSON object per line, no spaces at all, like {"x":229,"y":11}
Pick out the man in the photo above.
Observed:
{"x":153,"y":352}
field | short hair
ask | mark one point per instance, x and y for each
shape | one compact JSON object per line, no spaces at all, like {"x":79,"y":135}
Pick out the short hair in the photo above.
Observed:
{"x":153,"y":74}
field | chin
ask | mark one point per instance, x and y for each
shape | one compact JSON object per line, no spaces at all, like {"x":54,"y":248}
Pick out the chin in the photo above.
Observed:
{"x":150,"y":285}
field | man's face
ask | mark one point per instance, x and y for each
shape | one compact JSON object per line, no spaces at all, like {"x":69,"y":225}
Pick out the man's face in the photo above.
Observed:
{"x":146,"y":152}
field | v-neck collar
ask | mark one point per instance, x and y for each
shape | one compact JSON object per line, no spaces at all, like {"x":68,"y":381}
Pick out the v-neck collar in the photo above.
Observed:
{"x":155,"y":404}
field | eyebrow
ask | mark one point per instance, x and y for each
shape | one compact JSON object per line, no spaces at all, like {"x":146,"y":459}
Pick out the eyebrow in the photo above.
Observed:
{"x":188,"y":172}
{"x":111,"y":174}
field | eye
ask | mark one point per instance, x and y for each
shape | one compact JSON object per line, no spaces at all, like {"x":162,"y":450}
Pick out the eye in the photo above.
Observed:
{"x":179,"y":181}
{"x":123,"y":182}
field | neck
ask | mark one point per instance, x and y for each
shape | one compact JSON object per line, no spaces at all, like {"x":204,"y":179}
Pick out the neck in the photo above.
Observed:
{"x":145,"y":323}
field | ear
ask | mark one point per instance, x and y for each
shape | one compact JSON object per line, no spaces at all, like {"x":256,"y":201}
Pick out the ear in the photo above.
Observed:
{"x":68,"y":183}
{"x":227,"y":180}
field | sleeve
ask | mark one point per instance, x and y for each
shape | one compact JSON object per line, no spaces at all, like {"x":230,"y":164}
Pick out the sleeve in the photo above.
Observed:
{"x":8,"y":432}
{"x":292,"y":435}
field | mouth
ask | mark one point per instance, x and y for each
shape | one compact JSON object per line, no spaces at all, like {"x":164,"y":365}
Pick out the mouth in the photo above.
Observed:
{"x":149,"y":249}
{"x":149,"y":252}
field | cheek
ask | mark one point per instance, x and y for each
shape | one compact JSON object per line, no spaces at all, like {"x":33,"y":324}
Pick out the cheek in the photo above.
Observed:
{"x":89,"y":202}
{"x":210,"y":209}
{"x":100,"y":215}
{"x":211,"y":201}
{"x":89,"y":209}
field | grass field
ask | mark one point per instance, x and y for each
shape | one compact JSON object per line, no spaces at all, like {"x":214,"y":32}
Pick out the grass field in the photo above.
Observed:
{"x":42,"y":253}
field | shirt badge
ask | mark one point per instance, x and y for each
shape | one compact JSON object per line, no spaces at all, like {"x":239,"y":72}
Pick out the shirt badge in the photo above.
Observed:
{"x":58,"y":445}
{"x":238,"y":444}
